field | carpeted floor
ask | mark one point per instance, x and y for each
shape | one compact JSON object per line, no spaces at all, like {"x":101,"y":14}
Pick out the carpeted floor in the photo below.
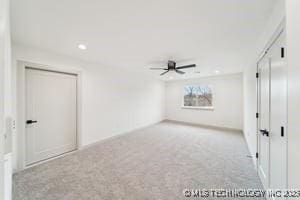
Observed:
{"x":157,"y":162}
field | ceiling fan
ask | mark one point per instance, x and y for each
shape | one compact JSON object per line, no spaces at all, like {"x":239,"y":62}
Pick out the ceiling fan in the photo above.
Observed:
{"x":172,"y":67}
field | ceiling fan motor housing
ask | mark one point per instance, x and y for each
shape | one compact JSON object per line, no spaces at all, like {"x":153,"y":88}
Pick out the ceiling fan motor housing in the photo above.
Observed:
{"x":171,"y":64}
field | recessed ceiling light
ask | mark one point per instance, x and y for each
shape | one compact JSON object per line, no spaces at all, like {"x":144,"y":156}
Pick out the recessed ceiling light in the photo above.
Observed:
{"x":82,"y":47}
{"x":217,"y":71}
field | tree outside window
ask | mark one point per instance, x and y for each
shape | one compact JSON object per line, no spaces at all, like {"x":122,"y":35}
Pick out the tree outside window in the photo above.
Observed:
{"x":198,"y":96}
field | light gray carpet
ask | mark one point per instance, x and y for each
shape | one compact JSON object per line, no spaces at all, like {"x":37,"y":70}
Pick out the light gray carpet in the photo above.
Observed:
{"x":158,"y":162}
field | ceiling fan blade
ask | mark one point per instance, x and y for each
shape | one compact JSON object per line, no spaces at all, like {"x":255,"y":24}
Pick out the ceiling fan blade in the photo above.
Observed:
{"x":155,"y":68}
{"x":179,"y":72}
{"x":164,"y":73}
{"x":186,"y":66}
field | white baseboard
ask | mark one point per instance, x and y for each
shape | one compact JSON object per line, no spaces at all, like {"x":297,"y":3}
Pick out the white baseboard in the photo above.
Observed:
{"x":254,"y":160}
{"x":204,"y":125}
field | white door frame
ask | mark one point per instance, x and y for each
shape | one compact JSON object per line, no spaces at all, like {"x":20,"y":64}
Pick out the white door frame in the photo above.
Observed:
{"x":280,"y":29}
{"x":21,"y":107}
{"x":2,"y":61}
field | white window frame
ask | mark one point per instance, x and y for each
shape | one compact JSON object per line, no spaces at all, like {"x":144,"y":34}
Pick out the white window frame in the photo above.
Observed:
{"x":199,"y":107}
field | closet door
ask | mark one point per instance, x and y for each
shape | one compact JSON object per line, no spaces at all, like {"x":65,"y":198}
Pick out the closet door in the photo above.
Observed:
{"x":264,"y":121}
{"x":278,"y":113}
{"x":272,"y":123}
{"x":51,"y":125}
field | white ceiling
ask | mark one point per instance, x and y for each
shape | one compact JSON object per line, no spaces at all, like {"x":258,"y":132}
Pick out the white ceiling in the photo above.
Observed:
{"x":137,"y":34}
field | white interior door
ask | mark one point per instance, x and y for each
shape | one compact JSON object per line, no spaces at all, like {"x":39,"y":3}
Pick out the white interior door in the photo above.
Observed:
{"x":278,"y":113}
{"x":50,"y":113}
{"x":264,"y":120}
{"x":272,"y":161}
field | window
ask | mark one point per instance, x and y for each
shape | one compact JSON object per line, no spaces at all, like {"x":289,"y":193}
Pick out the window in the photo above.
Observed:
{"x":198,"y":96}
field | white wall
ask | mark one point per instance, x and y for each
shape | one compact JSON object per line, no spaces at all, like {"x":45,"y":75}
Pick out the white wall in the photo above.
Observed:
{"x":250,"y":101}
{"x":1,"y":112}
{"x":114,"y":100}
{"x":5,"y":81}
{"x":227,"y":102}
{"x":293,"y":46}
{"x":250,"y":108}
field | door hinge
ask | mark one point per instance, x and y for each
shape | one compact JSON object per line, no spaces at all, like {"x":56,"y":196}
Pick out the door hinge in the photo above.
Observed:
{"x":257,"y":75}
{"x":256,"y":155}
{"x":282,"y":52}
{"x":257,"y":115}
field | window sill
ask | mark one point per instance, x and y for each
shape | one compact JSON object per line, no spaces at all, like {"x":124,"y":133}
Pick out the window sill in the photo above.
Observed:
{"x":198,"y":108}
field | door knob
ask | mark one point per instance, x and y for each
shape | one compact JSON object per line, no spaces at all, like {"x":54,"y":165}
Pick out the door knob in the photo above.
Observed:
{"x":264,"y":132}
{"x":31,"y":121}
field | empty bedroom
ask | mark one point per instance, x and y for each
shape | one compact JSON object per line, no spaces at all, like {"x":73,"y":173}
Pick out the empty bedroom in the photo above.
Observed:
{"x":169,"y":99}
